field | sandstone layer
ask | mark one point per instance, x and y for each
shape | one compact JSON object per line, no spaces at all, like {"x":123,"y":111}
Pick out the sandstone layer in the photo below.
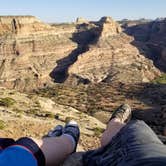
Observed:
{"x":112,"y":58}
{"x":29,"y":50}
{"x":34,"y":54}
{"x":150,"y":38}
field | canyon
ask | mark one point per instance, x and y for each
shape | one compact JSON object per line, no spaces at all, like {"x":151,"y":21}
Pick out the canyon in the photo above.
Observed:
{"x":83,"y":70}
{"x":34,"y":54}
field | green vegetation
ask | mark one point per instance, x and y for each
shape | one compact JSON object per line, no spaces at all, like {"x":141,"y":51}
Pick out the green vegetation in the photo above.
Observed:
{"x":92,"y":111}
{"x":98,"y":131}
{"x":2,"y":125}
{"x":49,"y":115}
{"x":64,"y":25}
{"x":7,"y":102}
{"x":57,"y":115}
{"x":37,"y":104}
{"x":89,"y":99}
{"x":68,"y":119}
{"x":37,"y":112}
{"x":33,"y":111}
{"x":160,"y":80}
{"x":18,"y":111}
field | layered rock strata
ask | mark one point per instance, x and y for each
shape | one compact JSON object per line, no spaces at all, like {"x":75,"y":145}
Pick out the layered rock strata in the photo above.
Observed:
{"x":29,"y":50}
{"x":112,"y":58}
{"x":34,"y":54}
{"x":150,"y":38}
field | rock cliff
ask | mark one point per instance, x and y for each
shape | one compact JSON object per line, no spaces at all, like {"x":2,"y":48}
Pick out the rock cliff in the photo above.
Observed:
{"x":112,"y":58}
{"x":33,"y":54}
{"x":150,"y":39}
{"x":29,"y":50}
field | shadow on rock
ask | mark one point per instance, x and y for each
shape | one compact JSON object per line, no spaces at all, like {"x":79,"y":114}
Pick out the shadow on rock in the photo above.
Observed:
{"x":84,"y":36}
{"x":153,"y":96}
{"x":150,"y":39}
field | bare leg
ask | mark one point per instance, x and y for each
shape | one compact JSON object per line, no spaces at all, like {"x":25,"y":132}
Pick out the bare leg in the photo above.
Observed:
{"x":55,"y":149}
{"x":113,"y":127}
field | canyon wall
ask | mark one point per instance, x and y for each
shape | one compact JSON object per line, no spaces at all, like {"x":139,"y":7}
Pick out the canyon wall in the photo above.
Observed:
{"x":34,"y":54}
{"x":29,"y":50}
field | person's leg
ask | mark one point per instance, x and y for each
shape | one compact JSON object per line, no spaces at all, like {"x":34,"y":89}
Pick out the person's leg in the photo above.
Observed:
{"x":57,"y":149}
{"x":116,"y":123}
{"x":132,"y":144}
{"x":113,"y":127}
{"x":110,"y":143}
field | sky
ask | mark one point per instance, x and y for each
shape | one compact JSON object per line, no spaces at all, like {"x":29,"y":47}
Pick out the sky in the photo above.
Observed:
{"x":69,"y":10}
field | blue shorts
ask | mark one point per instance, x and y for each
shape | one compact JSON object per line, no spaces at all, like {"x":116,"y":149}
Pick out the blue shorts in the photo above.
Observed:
{"x":23,"y":152}
{"x":135,"y":145}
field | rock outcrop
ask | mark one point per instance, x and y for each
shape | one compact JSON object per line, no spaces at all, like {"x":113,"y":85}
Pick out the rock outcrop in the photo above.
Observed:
{"x":21,"y":25}
{"x":81,"y":20}
{"x":29,"y":50}
{"x":150,"y":39}
{"x":109,"y":27}
{"x":112,"y":58}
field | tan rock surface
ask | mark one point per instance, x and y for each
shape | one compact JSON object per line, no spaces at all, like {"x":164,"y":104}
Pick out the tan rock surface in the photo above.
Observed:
{"x":29,"y":50}
{"x":109,"y":27}
{"x":81,"y":20}
{"x":33,"y":54}
{"x":113,"y":58}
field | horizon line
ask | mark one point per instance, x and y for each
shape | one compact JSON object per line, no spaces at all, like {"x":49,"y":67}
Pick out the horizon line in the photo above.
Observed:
{"x":127,"y":19}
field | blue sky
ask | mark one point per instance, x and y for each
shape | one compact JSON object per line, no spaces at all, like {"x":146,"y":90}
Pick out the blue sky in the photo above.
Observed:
{"x":69,"y":10}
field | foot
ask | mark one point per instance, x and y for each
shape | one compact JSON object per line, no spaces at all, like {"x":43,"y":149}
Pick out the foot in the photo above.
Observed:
{"x":56,"y":132}
{"x":72,"y":129}
{"x":123,"y":113}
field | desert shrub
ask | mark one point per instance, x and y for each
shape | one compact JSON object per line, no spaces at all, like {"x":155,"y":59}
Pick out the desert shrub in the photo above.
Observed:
{"x":7,"y":102}
{"x":11,"y":93}
{"x":30,"y":96}
{"x":37,"y":104}
{"x":19,"y":115}
{"x":57,"y":115}
{"x":49,"y":115}
{"x":68,"y":119}
{"x":2,"y":125}
{"x":98,"y":131}
{"x":33,"y":111}
{"x":39,"y":113}
{"x":67,"y":25}
{"x":160,"y":80}
{"x":27,"y":81}
{"x":16,"y":110}
{"x":92,"y":111}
